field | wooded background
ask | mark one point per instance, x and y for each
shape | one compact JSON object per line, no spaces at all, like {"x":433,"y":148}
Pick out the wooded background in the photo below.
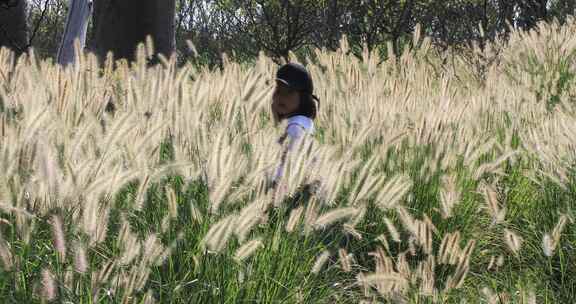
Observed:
{"x":243,"y":28}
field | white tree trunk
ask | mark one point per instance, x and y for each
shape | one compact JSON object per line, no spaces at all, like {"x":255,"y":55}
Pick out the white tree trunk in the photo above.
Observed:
{"x":76,"y":27}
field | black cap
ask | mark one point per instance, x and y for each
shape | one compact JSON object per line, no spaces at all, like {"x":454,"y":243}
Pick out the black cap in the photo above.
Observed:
{"x":295,"y":76}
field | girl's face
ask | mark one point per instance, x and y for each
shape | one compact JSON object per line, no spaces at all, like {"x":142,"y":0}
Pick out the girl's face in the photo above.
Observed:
{"x":285,"y":100}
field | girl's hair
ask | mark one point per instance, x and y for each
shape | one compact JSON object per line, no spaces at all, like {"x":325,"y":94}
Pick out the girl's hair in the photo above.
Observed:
{"x":308,"y":106}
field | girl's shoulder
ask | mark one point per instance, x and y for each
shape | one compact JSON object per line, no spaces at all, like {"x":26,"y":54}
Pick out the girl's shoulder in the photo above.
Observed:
{"x":295,"y":130}
{"x":300,"y":124}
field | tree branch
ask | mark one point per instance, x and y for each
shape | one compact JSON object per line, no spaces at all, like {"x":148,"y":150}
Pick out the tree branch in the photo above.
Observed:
{"x":37,"y":27}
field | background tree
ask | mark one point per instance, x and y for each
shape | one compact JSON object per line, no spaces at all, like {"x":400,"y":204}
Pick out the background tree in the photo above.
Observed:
{"x":456,"y":23}
{"x":277,"y":27}
{"x":121,"y":25}
{"x":243,"y":28}
{"x":212,"y":31}
{"x":48,"y":18}
{"x":560,"y":9}
{"x":13,"y":25}
{"x":331,"y":27}
{"x":375,"y":22}
{"x":530,"y":12}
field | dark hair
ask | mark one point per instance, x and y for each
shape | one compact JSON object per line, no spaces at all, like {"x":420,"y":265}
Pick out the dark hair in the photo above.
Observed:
{"x":308,"y":106}
{"x":296,"y":77}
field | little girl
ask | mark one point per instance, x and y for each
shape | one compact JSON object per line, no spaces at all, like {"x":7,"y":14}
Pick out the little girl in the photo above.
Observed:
{"x":294,"y":101}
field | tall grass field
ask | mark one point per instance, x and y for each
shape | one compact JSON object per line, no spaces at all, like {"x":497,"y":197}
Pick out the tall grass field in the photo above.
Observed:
{"x":432,"y":178}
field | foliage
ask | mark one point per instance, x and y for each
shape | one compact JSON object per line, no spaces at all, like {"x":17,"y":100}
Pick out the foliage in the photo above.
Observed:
{"x":244,"y":28}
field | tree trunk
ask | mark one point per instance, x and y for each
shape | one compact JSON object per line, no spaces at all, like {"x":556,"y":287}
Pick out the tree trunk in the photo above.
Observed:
{"x":165,"y":26}
{"x":13,"y":25}
{"x":76,"y":26}
{"x":122,"y":25}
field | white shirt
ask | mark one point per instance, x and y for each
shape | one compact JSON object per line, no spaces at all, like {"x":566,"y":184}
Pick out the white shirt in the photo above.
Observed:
{"x":296,"y":128}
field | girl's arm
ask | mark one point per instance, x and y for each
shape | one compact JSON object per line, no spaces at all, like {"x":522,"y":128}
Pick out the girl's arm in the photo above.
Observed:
{"x":294,"y":134}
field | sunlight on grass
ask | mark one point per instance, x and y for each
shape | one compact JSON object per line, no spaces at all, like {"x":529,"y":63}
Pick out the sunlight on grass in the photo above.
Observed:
{"x":427,"y":182}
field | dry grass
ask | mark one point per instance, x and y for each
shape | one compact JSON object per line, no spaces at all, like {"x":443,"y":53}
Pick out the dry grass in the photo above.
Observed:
{"x":423,"y":163}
